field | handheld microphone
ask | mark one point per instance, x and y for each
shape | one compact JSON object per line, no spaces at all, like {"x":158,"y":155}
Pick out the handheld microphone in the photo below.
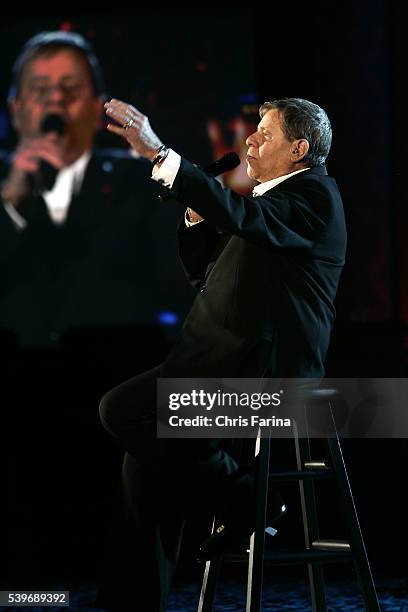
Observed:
{"x":47,"y":173}
{"x":227,"y":162}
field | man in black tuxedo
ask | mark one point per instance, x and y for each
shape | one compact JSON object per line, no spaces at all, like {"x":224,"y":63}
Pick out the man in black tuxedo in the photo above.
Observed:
{"x":76,"y":222}
{"x":267,"y":269}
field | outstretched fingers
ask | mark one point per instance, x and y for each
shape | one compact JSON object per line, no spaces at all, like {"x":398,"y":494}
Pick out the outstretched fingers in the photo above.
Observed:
{"x":124,"y":114}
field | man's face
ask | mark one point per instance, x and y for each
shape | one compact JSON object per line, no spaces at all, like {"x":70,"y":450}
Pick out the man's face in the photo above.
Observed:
{"x":269,"y":150}
{"x":59,"y":83}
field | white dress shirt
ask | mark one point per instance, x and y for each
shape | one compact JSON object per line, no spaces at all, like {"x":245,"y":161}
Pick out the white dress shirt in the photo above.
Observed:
{"x":68,"y":183}
{"x":264,"y":187}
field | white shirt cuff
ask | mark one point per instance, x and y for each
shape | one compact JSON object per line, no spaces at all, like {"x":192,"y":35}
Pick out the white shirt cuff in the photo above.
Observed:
{"x":166,"y":172}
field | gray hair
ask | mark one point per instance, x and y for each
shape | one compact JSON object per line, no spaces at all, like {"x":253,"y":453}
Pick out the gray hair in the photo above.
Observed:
{"x":303,"y":119}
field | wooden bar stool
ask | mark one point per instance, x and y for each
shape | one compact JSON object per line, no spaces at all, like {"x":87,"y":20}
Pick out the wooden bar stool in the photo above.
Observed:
{"x":317,"y":551}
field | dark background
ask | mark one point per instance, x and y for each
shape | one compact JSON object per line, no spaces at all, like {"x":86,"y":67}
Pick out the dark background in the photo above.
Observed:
{"x":181,"y":67}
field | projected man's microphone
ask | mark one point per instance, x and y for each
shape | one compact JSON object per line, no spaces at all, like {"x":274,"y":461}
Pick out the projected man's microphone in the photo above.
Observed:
{"x":45,"y":176}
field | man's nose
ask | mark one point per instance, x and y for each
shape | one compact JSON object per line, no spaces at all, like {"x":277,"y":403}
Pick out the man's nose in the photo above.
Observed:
{"x":55,"y":94}
{"x":251,"y":141}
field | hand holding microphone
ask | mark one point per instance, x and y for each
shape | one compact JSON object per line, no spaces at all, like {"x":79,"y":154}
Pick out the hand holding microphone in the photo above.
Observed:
{"x":193,"y":216}
{"x":227,"y":162}
{"x":36,"y":161}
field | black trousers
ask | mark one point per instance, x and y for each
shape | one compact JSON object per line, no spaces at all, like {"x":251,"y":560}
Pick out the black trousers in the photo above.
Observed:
{"x":161,"y":480}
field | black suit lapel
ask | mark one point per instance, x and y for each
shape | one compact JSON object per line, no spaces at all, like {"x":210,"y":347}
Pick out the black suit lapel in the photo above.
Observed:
{"x":95,"y":195}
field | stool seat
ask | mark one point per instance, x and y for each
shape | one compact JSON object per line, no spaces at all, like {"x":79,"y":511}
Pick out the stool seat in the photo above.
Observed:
{"x":317,"y":551}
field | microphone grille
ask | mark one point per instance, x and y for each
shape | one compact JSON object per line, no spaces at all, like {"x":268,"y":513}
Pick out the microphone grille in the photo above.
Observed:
{"x":227,"y":162}
{"x":232,"y":160}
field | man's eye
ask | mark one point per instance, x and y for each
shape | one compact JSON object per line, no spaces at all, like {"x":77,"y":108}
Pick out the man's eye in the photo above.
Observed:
{"x":38,"y":90}
{"x":71,"y":89}
{"x":265,"y":135}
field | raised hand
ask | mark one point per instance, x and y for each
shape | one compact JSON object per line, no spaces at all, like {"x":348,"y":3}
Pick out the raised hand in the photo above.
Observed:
{"x":135,"y":127}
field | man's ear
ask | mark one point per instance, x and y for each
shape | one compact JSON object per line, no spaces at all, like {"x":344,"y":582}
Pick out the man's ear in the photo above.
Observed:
{"x":299,"y":150}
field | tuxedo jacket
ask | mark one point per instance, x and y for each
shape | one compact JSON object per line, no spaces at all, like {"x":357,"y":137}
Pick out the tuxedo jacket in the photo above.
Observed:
{"x":266,"y":269}
{"x":102,"y":267}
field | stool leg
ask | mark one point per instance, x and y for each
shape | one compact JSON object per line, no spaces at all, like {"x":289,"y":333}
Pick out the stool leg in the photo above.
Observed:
{"x":358,"y":551}
{"x":310,"y":523}
{"x":209,"y":583}
{"x":207,"y":595}
{"x":257,"y":545}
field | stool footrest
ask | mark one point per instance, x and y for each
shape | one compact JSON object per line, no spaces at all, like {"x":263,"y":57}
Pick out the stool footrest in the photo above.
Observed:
{"x":293,"y":475}
{"x":331,"y":545}
{"x":317,"y":464}
{"x":296,"y":557}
